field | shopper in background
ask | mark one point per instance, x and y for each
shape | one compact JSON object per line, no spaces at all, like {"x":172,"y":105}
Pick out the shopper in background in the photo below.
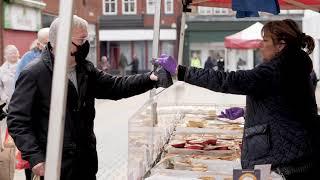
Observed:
{"x":209,"y":63}
{"x":28,"y":114}
{"x":7,"y":147}
{"x":220,"y":63}
{"x":134,"y":65}
{"x":281,"y":120}
{"x":104,"y":64}
{"x":35,"y":50}
{"x":123,"y":63}
{"x":195,"y":61}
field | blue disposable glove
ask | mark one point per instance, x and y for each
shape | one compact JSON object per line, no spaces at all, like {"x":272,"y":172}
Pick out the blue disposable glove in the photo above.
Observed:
{"x":232,"y":113}
{"x":168,"y":63}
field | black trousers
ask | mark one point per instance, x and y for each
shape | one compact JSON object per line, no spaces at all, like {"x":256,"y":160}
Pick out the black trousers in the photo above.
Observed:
{"x":28,"y":174}
{"x":78,"y":165}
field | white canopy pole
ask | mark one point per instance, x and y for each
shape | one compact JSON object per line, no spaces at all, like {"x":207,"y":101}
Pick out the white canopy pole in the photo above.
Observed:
{"x":155,"y":45}
{"x":182,"y":33}
{"x":155,"y":53}
{"x":156,"y":29}
{"x":58,"y":93}
{"x":156,"y":35}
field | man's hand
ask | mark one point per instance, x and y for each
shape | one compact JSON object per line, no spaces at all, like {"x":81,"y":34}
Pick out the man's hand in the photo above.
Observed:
{"x":39,"y":169}
{"x":153,"y":77}
{"x":162,"y":77}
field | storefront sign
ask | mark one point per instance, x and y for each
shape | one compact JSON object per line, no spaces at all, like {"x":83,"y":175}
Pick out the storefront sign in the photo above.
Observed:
{"x":20,"y":17}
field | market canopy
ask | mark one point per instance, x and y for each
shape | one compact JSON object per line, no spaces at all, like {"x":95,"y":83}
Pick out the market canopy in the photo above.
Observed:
{"x":284,"y":4}
{"x":248,"y":38}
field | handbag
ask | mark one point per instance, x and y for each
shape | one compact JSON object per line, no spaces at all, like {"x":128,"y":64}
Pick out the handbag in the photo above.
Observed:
{"x":36,"y":178}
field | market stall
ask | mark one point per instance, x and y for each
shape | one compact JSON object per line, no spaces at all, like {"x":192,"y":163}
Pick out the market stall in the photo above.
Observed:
{"x":188,"y":140}
{"x":186,"y":130}
{"x":241,"y":48}
{"x":162,"y":121}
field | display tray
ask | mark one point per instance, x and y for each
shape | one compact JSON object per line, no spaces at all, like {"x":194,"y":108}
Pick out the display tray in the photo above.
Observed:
{"x":187,"y":162}
{"x":169,"y":174}
{"x":172,"y":150}
{"x":227,"y":157}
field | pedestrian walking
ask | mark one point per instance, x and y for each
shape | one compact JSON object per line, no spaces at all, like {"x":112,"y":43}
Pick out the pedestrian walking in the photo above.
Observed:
{"x":134,"y":64}
{"x":7,"y":147}
{"x":123,"y":63}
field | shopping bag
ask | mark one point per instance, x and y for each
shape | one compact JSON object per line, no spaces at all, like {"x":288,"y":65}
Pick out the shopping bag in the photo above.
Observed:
{"x":20,"y":163}
{"x":36,"y":178}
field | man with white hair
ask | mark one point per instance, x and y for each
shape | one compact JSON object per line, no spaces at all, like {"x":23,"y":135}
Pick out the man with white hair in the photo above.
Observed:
{"x":35,"y":49}
{"x":7,"y":148}
{"x":28,"y":113}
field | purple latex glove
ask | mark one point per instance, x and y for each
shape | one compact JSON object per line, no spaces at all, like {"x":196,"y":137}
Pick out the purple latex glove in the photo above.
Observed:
{"x":232,"y":113}
{"x":168,"y":63}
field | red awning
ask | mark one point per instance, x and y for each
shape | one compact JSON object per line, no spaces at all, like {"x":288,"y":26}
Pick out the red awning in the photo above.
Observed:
{"x":249,"y":38}
{"x":284,"y":4}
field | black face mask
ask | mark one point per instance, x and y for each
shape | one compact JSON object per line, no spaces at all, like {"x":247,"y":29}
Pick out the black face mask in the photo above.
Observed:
{"x":82,"y":51}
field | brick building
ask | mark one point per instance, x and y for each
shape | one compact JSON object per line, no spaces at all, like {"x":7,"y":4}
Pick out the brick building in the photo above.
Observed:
{"x":23,"y":18}
{"x":126,"y":27}
{"x":20,"y":23}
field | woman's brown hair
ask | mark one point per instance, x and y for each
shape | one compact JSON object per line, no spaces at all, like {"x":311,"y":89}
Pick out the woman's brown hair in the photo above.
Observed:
{"x":288,"y":31}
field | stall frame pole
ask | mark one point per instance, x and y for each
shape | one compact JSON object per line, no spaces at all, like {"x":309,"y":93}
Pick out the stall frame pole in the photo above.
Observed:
{"x":58,"y":93}
{"x":155,"y":52}
{"x":182,"y":35}
{"x":156,"y":37}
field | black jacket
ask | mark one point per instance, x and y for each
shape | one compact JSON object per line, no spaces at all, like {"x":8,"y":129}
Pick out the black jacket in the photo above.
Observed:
{"x":30,"y":104}
{"x":281,"y":121}
{"x":208,"y":64}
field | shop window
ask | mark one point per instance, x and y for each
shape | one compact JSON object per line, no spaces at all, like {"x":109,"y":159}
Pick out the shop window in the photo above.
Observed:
{"x":150,"y":6}
{"x":212,"y":11}
{"x":129,"y":6}
{"x":204,"y":10}
{"x":220,"y":11}
{"x":168,"y":6}
{"x":47,"y":19}
{"x":110,"y":7}
{"x":167,"y":47}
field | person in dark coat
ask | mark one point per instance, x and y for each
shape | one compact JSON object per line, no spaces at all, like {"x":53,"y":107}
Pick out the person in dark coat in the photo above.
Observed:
{"x":281,"y":121}
{"x":134,"y":65}
{"x":209,"y":63}
{"x":220,"y":64}
{"x":28,"y":113}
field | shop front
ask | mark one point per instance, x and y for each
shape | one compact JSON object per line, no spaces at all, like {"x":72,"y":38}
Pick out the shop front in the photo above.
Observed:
{"x":21,"y":22}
